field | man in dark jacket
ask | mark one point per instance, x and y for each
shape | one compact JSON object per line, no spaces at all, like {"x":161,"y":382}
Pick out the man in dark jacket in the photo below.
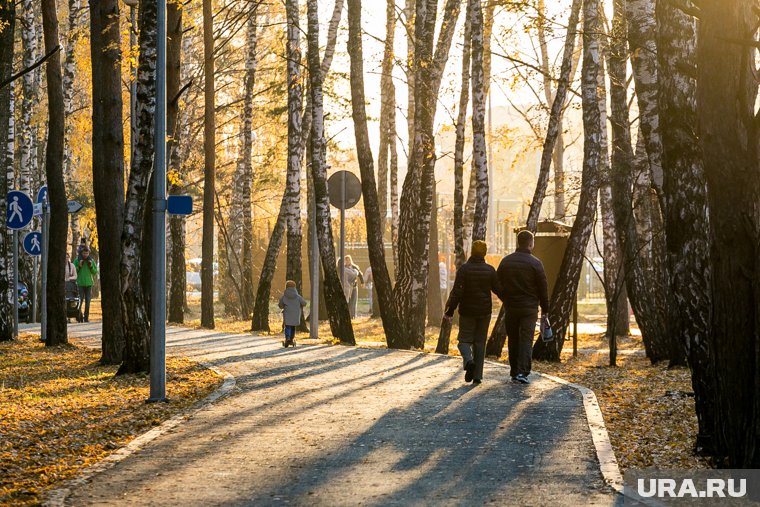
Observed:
{"x":523,"y":281}
{"x":474,"y":283}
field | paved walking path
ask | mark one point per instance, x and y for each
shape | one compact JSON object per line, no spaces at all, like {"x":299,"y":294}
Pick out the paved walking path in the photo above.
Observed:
{"x":332,"y":425}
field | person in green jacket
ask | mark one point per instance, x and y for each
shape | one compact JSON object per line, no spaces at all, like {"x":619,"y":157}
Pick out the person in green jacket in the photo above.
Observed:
{"x":86,"y":271}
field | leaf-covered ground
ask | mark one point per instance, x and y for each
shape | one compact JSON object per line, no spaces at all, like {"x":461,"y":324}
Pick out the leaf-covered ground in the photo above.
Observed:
{"x":60,"y":411}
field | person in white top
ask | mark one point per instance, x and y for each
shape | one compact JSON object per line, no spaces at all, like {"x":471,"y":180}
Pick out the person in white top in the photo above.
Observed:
{"x":71,"y":271}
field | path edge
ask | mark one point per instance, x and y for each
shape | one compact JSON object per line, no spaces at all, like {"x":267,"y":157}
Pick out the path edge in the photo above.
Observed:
{"x":57,"y":497}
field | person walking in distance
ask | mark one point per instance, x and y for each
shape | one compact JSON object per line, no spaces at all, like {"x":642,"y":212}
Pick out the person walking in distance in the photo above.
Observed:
{"x":474,"y":283}
{"x":523,"y":280}
{"x":86,"y":271}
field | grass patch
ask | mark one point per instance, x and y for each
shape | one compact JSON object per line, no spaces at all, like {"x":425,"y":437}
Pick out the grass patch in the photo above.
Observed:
{"x":60,"y":411}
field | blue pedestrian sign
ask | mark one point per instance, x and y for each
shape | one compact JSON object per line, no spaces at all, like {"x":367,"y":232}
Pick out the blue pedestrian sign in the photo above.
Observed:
{"x":33,"y":243}
{"x":180,"y":205}
{"x":42,"y":194}
{"x":20,"y":210}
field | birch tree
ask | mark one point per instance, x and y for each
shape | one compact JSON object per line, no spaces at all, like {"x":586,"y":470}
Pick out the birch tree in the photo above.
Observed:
{"x":74,"y":33}
{"x":464,"y":101}
{"x":416,"y":200}
{"x":7,"y":42}
{"x":135,"y":315}
{"x":728,"y":130}
{"x":108,"y":166}
{"x":57,"y":251}
{"x":565,"y":288}
{"x":687,"y":221}
{"x":479,"y":154}
{"x":340,"y":319}
{"x":391,"y":324}
{"x":387,"y":154}
{"x":28,"y":162}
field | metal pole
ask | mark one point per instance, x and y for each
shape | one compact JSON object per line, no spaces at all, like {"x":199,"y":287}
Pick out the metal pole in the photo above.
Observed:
{"x":158,"y":297}
{"x":314,"y":313}
{"x":575,"y":327}
{"x":15,"y":284}
{"x":34,"y":290}
{"x":342,"y":231}
{"x":491,"y":190}
{"x":43,"y":289}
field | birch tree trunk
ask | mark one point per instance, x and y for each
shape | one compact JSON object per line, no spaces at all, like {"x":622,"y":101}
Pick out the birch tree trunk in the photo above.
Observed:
{"x":464,"y":100}
{"x":69,"y":75}
{"x":387,"y":103}
{"x":135,"y":314}
{"x":30,"y":89}
{"x":479,"y":154}
{"x":416,"y":209}
{"x":553,"y":131}
{"x":293,"y":179}
{"x":340,"y":320}
{"x":382,"y":280}
{"x":241,"y":226}
{"x":729,"y":137}
{"x":7,"y":42}
{"x":635,"y":236}
{"x":687,"y":223}
{"x":209,"y":170}
{"x":565,"y":288}
{"x":56,"y":320}
{"x":260,"y":319}
{"x":642,"y":41}
{"x":108,"y":166}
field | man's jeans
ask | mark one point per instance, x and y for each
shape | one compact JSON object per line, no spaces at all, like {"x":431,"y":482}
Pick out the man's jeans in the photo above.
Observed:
{"x":85,"y":296}
{"x":521,"y":327}
{"x":290,"y":332}
{"x":473,"y":332}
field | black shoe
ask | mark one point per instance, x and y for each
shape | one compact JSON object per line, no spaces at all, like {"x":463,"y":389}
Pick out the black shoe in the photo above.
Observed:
{"x":469,"y":371}
{"x":476,"y":382}
{"x":515,"y":381}
{"x":522,"y":379}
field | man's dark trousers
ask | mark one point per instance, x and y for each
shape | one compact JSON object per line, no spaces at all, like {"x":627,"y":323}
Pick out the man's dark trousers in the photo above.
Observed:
{"x":473,"y":332}
{"x":521,"y":327}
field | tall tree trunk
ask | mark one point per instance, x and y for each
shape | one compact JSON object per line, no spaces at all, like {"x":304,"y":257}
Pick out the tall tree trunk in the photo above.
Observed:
{"x":7,"y":42}
{"x":28,"y":145}
{"x":479,"y":154}
{"x":380,"y":275}
{"x":565,"y":288}
{"x":135,"y":314}
{"x":241,"y":225}
{"x":729,"y":135}
{"x":642,"y":40}
{"x":553,"y":131}
{"x":209,"y":172}
{"x":340,"y":320}
{"x":69,"y":75}
{"x":414,"y":219}
{"x":108,"y":166}
{"x":260,"y":319}
{"x":57,"y":250}
{"x":176,"y":261}
{"x":434,"y":303}
{"x":464,"y":100}
{"x":687,"y":222}
{"x":387,"y":103}
{"x":293,"y":179}
{"x":410,"y":15}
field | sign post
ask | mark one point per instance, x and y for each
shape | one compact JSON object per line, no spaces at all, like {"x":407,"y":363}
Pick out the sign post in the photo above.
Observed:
{"x":315,"y":279}
{"x":158,"y":296}
{"x":18,"y":215}
{"x":345,"y":191}
{"x":43,"y":288}
{"x":33,"y":247}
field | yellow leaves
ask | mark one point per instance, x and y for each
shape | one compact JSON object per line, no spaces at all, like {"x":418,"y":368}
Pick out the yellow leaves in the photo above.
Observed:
{"x":61,"y":411}
{"x":174,"y":177}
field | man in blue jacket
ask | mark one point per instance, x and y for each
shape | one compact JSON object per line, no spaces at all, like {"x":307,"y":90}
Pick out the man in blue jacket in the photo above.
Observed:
{"x":474,"y":283}
{"x":523,"y":281}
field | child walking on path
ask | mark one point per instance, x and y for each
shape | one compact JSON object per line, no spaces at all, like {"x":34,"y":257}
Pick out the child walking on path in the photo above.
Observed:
{"x":291,"y":303}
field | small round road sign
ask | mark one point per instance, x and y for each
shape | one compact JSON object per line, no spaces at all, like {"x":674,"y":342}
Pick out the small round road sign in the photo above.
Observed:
{"x":345,"y":189}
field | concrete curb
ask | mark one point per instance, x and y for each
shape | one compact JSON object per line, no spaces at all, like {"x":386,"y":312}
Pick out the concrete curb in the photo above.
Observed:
{"x":57,"y":497}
